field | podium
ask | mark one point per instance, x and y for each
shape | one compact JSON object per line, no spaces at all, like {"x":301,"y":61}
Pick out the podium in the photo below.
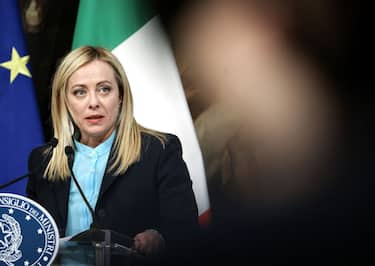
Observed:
{"x":97,"y":247}
{"x":29,"y":236}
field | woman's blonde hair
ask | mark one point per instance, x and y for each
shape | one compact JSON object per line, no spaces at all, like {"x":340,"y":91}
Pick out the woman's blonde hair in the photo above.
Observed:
{"x":127,"y":143}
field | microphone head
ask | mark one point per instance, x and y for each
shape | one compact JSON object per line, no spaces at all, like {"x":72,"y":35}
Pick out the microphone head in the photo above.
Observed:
{"x":53,"y":142}
{"x":69,"y":150}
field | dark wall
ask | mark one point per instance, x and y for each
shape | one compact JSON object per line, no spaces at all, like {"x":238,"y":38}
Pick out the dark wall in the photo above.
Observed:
{"x":49,"y":28}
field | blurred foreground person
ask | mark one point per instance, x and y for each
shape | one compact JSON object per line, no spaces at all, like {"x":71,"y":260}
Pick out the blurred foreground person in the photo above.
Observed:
{"x":268,"y":82}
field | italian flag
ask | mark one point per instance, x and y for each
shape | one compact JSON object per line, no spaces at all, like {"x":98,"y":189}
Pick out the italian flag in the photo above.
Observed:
{"x":133,"y":32}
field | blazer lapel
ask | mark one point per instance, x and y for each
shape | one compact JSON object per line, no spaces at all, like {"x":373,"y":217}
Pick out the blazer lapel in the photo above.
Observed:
{"x":107,"y":182}
{"x":109,"y":176}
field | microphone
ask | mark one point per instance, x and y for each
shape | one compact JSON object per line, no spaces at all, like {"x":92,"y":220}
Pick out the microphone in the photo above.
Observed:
{"x":105,"y":236}
{"x":70,"y":154}
{"x":52,"y":144}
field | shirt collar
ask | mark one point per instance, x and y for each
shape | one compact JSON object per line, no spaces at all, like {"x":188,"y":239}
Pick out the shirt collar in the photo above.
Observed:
{"x":101,"y":149}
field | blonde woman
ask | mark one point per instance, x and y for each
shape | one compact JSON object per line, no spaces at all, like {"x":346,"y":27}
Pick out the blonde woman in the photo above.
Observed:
{"x":134,"y":178}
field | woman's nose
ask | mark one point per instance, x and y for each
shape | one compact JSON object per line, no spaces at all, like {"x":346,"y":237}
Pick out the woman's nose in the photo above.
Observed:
{"x":93,"y":102}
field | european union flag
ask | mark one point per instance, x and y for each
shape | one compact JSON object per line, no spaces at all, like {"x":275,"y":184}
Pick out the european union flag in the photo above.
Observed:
{"x":20,"y":127}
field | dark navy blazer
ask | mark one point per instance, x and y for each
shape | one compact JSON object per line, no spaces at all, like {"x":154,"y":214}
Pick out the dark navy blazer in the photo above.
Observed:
{"x":154,"y":193}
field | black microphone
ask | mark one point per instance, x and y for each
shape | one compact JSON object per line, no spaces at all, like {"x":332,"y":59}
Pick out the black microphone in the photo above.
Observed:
{"x":70,"y":154}
{"x":94,"y":233}
{"x":52,"y":144}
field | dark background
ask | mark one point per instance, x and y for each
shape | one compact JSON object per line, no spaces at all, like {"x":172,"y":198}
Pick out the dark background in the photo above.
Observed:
{"x":47,"y":42}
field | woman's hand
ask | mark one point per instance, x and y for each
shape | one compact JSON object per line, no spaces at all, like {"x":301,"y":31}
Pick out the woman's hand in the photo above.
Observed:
{"x":149,"y":243}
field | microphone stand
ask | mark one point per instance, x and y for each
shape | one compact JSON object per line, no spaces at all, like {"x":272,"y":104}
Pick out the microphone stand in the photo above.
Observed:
{"x":52,"y":143}
{"x":14,"y":181}
{"x":70,"y":154}
{"x":104,"y":241}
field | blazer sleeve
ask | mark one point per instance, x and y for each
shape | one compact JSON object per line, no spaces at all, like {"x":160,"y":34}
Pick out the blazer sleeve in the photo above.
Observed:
{"x":37,"y":163}
{"x":178,"y":207}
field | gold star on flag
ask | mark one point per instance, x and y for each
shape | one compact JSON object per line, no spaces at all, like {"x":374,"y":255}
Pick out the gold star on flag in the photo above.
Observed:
{"x":17,"y":65}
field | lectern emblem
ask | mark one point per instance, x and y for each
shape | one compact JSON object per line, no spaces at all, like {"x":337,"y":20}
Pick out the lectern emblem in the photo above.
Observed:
{"x":12,"y":238}
{"x":28,"y":233}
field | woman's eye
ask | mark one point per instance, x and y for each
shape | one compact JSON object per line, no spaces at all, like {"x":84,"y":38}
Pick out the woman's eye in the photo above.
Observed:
{"x":104,"y":90}
{"x":79,"y":92}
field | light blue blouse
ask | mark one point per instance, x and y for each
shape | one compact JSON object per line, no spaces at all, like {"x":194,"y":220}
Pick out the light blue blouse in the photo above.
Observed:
{"x":88,"y":167}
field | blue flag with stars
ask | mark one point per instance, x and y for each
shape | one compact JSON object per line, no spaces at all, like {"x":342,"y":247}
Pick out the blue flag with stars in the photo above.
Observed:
{"x":20,"y":126}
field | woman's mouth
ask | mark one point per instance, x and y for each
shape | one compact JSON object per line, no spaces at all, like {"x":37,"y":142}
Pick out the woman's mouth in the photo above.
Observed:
{"x":94,"y":119}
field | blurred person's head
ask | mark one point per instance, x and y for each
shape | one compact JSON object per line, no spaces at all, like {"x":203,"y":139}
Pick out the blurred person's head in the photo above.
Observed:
{"x":271,"y":66}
